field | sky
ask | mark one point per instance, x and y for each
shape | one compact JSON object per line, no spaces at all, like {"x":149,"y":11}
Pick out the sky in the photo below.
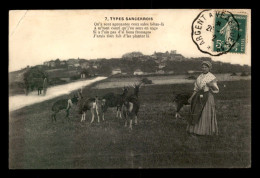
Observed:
{"x":36,"y":36}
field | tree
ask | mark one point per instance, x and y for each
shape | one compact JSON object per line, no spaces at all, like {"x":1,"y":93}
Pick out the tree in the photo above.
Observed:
{"x":57,"y":62}
{"x":33,"y":78}
{"x":132,"y":55}
{"x":85,"y":71}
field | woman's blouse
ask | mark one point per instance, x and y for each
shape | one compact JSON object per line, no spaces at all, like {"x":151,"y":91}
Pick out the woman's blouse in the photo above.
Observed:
{"x":206,"y":78}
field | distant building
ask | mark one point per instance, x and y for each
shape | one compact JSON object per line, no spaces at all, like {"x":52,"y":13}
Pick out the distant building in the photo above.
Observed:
{"x":145,"y":58}
{"x":172,"y":56}
{"x":85,"y":65}
{"x":193,"y":71}
{"x":76,"y":65}
{"x":176,"y":57}
{"x":46,"y":63}
{"x":160,"y":72}
{"x":95,"y":66}
{"x":138,"y":72}
{"x":73,"y":63}
{"x":63,"y":63}
{"x":173,"y":52}
{"x":116,"y":71}
{"x":52,"y":63}
{"x":161,"y":65}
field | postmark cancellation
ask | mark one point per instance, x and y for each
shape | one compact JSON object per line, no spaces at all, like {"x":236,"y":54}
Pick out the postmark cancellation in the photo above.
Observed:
{"x":217,"y":32}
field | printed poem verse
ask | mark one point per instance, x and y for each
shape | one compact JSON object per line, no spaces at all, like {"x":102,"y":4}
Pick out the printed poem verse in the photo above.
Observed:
{"x":125,"y":30}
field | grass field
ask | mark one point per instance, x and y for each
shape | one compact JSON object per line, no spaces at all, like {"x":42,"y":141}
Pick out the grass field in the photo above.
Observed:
{"x":158,"y":141}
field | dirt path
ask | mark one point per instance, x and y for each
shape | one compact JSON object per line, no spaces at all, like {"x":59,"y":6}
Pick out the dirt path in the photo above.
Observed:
{"x":20,"y":101}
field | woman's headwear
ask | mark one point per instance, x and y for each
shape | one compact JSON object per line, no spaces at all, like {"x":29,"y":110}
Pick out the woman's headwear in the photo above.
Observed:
{"x":207,"y":63}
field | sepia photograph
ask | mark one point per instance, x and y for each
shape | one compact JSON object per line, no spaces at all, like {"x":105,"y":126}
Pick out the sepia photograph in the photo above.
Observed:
{"x":129,"y":89}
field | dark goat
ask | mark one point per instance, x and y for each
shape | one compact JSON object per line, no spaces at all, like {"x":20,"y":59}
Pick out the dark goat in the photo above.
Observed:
{"x":92,"y":104}
{"x":180,"y":100}
{"x":114,"y":100}
{"x":131,"y":106}
{"x":61,"y":105}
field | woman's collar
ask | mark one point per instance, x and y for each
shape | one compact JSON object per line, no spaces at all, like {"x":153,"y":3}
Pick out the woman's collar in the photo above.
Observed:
{"x":205,"y":73}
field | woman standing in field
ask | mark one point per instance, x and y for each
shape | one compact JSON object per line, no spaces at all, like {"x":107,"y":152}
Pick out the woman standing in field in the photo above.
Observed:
{"x":203,"y":115}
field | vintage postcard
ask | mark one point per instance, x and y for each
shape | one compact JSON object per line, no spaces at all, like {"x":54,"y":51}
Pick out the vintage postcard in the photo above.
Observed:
{"x":157,"y":88}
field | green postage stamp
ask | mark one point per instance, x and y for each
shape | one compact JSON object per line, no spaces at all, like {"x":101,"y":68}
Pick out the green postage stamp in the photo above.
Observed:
{"x":218,"y":32}
{"x":230,"y":33}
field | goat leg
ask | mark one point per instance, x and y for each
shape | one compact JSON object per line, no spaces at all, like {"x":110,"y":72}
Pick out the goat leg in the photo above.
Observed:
{"x":136,"y":120}
{"x":116,"y":113}
{"x":82,"y":115}
{"x":130,"y":126}
{"x":67,"y":114}
{"x":93,"y":116}
{"x":120,"y":111}
{"x":52,"y":117}
{"x":120,"y":115}
{"x":125,"y":123}
{"x":97,"y":113}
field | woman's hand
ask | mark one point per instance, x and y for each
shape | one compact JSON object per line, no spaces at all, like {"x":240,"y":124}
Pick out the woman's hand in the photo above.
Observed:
{"x":210,"y":84}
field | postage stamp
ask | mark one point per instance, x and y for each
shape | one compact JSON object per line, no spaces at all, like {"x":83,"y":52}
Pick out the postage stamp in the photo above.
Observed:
{"x":217,"y":32}
{"x":228,"y":27}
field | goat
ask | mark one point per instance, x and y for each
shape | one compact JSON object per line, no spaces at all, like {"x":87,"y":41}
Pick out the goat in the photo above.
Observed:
{"x":61,"y":105}
{"x":115,"y":100}
{"x":131,"y":106}
{"x":92,"y":104}
{"x":180,"y":100}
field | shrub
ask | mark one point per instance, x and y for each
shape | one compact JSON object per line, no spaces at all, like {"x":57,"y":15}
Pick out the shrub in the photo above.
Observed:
{"x":244,"y":74}
{"x":75,"y":77}
{"x":191,"y":77}
{"x":146,"y":81}
{"x":56,"y":81}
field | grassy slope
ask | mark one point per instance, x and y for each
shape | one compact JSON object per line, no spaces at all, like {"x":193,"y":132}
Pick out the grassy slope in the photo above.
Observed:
{"x":158,"y":141}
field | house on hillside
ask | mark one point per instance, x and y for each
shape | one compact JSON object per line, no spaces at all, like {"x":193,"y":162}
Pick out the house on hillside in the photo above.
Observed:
{"x":95,"y":66}
{"x":161,"y":56}
{"x":176,"y":57}
{"x":145,"y":58}
{"x":172,"y":56}
{"x":52,"y":63}
{"x":160,"y":72}
{"x":63,"y":63}
{"x":73,"y":63}
{"x":138,"y":72}
{"x":161,"y":65}
{"x":85,"y":65}
{"x":46,"y":63}
{"x":173,"y":52}
{"x":116,"y":71}
{"x":76,"y":65}
{"x":193,"y":71}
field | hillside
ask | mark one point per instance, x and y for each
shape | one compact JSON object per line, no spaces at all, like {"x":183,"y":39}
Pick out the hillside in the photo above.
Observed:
{"x":135,"y":63}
